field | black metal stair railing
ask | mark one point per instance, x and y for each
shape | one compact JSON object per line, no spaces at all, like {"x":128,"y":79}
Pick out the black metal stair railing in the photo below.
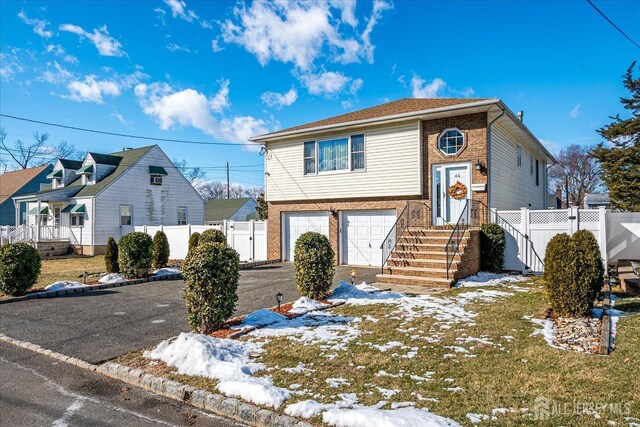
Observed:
{"x":415,"y":214}
{"x":473,"y":214}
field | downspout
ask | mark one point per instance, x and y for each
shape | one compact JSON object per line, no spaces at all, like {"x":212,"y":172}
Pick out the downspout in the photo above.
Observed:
{"x":93,"y":226}
{"x":489,"y":166}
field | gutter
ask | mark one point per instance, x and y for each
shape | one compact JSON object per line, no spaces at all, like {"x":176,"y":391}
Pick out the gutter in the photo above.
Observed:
{"x":410,"y":114}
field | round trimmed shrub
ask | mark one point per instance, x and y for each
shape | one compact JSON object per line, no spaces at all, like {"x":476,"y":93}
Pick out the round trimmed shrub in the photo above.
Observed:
{"x":313,"y":260}
{"x":19,"y":268}
{"x":160,"y":250}
{"x":111,"y":256}
{"x":135,"y":254}
{"x":211,"y":273}
{"x":492,"y":243}
{"x":212,"y":236}
{"x":193,"y":241}
{"x":573,"y":274}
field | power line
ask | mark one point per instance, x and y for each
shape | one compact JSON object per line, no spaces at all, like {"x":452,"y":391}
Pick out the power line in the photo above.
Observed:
{"x":614,"y":25}
{"x":125,"y":135}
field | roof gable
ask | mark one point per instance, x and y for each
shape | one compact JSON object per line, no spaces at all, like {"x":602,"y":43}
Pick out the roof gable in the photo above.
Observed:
{"x":11,"y":182}
{"x":70,"y":164}
{"x":221,"y":209}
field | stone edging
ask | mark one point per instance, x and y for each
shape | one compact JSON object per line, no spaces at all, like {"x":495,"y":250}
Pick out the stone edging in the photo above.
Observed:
{"x":62,"y":292}
{"x":227,"y":407}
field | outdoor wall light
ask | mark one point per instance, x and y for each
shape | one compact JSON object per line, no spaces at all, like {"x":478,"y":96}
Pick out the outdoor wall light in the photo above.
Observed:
{"x":332,"y":212}
{"x":279,"y":299}
{"x":479,"y":166}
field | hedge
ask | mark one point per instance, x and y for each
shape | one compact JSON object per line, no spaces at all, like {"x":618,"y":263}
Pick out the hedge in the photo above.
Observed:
{"x":20,"y":266}
{"x":492,"y":243}
{"x":212,"y":236}
{"x":135,"y":254}
{"x":160,"y":250}
{"x":313,"y":261}
{"x":111,"y":256}
{"x":211,"y":273}
{"x":193,"y":241}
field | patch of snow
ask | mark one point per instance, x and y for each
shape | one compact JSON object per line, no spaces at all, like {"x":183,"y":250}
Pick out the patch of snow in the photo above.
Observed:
{"x":503,"y":411}
{"x":65,"y":284}
{"x":367,"y":288}
{"x":388,"y":346}
{"x":225,"y":360}
{"x":305,"y":409}
{"x":454,"y":389}
{"x":477,"y":418}
{"x":360,"y":295}
{"x":386,"y":393}
{"x":112,"y":278}
{"x":386,"y":374}
{"x":304,"y":305}
{"x":374,"y":417}
{"x":396,"y":405}
{"x":546,"y":331}
{"x":262,"y":317}
{"x":296,"y":369}
{"x":484,"y":278}
{"x":167,"y":271}
{"x":337,"y":382}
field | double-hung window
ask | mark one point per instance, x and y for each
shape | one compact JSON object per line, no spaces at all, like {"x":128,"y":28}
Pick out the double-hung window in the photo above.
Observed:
{"x":537,"y":172}
{"x":338,"y":154}
{"x":77,"y":220}
{"x":182,"y":216}
{"x":126,"y":215}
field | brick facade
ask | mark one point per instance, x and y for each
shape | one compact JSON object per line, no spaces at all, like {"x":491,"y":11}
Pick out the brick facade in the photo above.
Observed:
{"x":274,"y":229}
{"x":474,"y":128}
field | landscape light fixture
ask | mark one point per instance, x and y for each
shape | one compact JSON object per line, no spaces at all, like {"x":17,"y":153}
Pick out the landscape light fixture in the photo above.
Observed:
{"x":354,"y":276}
{"x":279,"y":299}
{"x":85,"y":274}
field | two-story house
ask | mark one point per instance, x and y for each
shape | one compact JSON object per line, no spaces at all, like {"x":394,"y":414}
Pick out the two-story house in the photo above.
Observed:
{"x":104,"y":194}
{"x":351,"y":177}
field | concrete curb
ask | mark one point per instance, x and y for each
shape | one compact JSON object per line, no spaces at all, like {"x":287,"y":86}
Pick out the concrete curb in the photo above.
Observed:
{"x":227,"y":407}
{"x":63,"y":292}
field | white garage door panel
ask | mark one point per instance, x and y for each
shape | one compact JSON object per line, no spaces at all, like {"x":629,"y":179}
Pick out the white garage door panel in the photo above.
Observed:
{"x":298,"y":223}
{"x":362,"y":235}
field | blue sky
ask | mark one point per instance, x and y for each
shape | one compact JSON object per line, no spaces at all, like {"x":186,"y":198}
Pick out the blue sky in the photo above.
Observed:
{"x":223,"y":71}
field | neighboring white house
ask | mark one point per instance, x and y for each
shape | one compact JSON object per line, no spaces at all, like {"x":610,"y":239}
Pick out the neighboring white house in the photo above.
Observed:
{"x":352,"y":176}
{"x":90,"y":200}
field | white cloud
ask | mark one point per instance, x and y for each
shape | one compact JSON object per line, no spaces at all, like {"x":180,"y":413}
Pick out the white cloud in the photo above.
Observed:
{"x":55,"y":74}
{"x":120,"y":118}
{"x":355,"y":86}
{"x":346,"y":104}
{"x":553,"y":147}
{"x":215,"y":45}
{"x":437,"y":87}
{"x":106,"y":45}
{"x":279,"y":100}
{"x":575,"y":112}
{"x":39,"y":25}
{"x":421,"y":89}
{"x":329,"y":83}
{"x":91,"y":90}
{"x":175,"y":47}
{"x":59,"y":51}
{"x":297,"y":31}
{"x":9,"y":66}
{"x":379,"y":6}
{"x":171,"y":108}
{"x":179,"y":10}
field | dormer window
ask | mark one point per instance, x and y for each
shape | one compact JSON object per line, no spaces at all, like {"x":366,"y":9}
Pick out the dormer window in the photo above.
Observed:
{"x":56,"y":178}
{"x":156,"y":173}
{"x":86,"y":172}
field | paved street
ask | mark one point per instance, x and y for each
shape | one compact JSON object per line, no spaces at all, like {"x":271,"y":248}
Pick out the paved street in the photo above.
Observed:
{"x":99,"y":325}
{"x":38,"y":391}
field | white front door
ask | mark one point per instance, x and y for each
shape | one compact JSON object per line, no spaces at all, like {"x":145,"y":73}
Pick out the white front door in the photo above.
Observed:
{"x":362,"y":235}
{"x":447,"y":209}
{"x":298,"y":223}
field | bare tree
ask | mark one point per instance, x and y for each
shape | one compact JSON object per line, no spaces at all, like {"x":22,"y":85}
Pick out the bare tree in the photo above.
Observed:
{"x":38,"y":153}
{"x":213,"y":190}
{"x":576,"y":173}
{"x":194,"y":175}
{"x":253,"y":192}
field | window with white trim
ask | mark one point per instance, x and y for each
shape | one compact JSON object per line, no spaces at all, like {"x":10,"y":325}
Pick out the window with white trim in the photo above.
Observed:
{"x":77,"y":219}
{"x":309,"y":157}
{"x":182,"y":216}
{"x":338,"y":154}
{"x":126,"y":215}
{"x":451,"y":142}
{"x":156,"y":179}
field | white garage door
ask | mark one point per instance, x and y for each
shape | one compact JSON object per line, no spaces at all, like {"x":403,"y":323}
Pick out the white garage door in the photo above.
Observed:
{"x":362,"y":235}
{"x":298,"y":223}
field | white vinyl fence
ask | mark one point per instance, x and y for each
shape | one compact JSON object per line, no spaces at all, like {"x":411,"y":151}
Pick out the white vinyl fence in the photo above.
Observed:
{"x":248,"y":238}
{"x":527,"y":233}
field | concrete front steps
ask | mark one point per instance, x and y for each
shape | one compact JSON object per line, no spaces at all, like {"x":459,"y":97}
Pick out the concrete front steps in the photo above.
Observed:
{"x":420,"y":259}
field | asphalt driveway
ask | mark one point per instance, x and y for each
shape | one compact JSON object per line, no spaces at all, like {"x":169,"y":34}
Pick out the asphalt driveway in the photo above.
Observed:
{"x":100,"y":325}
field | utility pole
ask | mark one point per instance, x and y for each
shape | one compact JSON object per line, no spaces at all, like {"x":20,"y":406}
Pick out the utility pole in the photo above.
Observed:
{"x":227,"y":180}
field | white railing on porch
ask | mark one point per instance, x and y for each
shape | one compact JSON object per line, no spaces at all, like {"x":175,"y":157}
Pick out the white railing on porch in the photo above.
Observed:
{"x":35,"y":233}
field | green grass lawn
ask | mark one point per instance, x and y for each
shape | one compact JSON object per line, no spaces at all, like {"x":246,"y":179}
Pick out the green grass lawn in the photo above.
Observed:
{"x":508,"y":367}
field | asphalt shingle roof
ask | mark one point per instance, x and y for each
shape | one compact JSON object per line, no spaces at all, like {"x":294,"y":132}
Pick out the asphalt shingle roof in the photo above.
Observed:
{"x":221,"y":209}
{"x":11,"y":182}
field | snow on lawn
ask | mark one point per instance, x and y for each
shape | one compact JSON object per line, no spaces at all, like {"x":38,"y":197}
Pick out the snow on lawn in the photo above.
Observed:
{"x":221,"y":359}
{"x":111,"y":278}
{"x":546,"y":331}
{"x":484,"y":278}
{"x":59,"y":286}
{"x":231,"y":361}
{"x":304,"y":305}
{"x":167,"y":271}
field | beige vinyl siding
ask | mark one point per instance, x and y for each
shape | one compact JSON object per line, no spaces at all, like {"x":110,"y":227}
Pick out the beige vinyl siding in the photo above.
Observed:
{"x":392,"y":167}
{"x":152,"y":204}
{"x":513,"y":187}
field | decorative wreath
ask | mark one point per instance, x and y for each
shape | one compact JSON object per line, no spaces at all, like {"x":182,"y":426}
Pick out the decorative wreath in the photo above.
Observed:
{"x":458,"y":191}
